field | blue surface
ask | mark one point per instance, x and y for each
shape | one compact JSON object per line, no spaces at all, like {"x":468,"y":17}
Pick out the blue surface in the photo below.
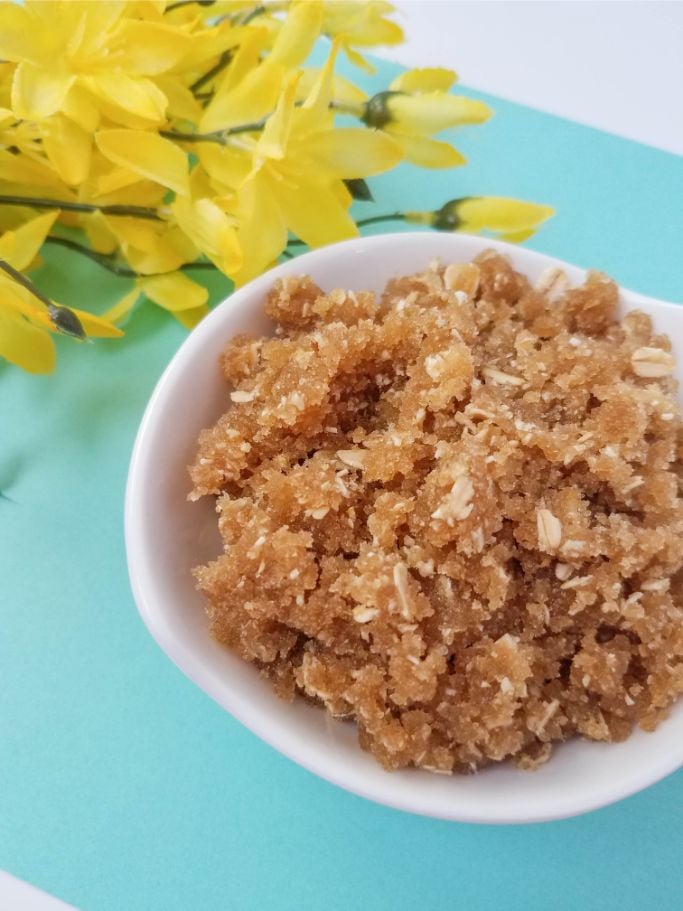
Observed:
{"x":122,"y":786}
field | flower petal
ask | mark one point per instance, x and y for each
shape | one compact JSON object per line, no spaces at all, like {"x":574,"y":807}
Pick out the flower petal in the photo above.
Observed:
{"x":315,"y":113}
{"x":34,"y":174}
{"x":174,"y":291}
{"x":18,"y":38}
{"x":212,"y":42}
{"x":254,"y":97}
{"x":227,"y":167}
{"x":24,"y":344}
{"x":68,"y":147}
{"x":122,"y":307}
{"x":150,"y":247}
{"x":181,"y":102}
{"x":190,"y":318}
{"x":96,"y":326}
{"x":298,"y":34}
{"x":210,"y":229}
{"x":343,"y":90}
{"x":353,"y":152}
{"x":101,"y":238}
{"x":376,"y":31}
{"x":7,"y":117}
{"x":358,"y":59}
{"x":80,"y":107}
{"x":122,"y":95}
{"x":429,"y":153}
{"x":434,"y":111}
{"x":275,"y":134}
{"x":312,"y":211}
{"x":424,"y":79}
{"x":113,"y":180}
{"x":147,"y":154}
{"x":251,"y":43}
{"x":517,"y":237}
{"x":20,"y":247}
{"x":497,"y":213}
{"x":262,"y":228}
{"x":151,"y":48}
{"x":37,"y":92}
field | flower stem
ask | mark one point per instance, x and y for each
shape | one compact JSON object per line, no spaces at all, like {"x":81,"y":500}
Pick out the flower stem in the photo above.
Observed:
{"x":102,"y":259}
{"x":24,"y":282}
{"x":66,"y":206}
{"x":109,"y":263}
{"x":376,"y":219}
{"x":362,"y":222}
{"x":222,"y":137}
{"x":62,"y":318}
{"x":217,"y":68}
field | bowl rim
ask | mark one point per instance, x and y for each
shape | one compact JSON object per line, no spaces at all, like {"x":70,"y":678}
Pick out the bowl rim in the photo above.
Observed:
{"x":162,"y":631}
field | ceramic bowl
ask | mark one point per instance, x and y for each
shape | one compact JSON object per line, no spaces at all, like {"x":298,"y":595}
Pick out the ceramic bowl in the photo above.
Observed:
{"x":166,"y":536}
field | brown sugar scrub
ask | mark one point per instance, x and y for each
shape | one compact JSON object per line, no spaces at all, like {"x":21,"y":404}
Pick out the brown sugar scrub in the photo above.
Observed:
{"x":453,"y":513}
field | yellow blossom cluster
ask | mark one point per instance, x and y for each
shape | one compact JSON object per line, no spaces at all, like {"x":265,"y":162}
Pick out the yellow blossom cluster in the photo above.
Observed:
{"x":160,"y":137}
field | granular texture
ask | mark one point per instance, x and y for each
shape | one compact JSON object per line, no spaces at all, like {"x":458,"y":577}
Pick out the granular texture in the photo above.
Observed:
{"x":453,"y":513}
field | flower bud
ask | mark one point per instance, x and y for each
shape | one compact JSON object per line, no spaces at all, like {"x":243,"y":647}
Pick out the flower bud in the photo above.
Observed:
{"x":66,"y":321}
{"x":377,"y":111}
{"x":446,"y":218}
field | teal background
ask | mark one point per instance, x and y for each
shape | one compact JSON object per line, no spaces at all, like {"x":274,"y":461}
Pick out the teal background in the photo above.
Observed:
{"x":122,"y":786}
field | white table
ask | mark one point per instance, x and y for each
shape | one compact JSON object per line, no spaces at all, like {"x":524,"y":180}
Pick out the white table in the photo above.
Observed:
{"x":609,"y":64}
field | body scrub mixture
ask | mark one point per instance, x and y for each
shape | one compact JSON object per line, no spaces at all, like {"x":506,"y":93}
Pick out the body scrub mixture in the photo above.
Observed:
{"x":453,"y":513}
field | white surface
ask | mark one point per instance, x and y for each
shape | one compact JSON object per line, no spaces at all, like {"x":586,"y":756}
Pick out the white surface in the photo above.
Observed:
{"x":16,"y":895}
{"x":166,"y":536}
{"x":613,"y":65}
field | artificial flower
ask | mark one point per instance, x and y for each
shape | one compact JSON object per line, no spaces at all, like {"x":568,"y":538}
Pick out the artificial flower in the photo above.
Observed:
{"x":416,"y":106}
{"x":86,"y":59}
{"x":300,"y":162}
{"x":176,"y":136}
{"x":27,"y":318}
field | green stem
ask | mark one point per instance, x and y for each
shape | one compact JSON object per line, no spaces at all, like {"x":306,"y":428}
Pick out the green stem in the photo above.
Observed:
{"x":102,"y":259}
{"x":25,"y":283}
{"x":377,"y":219}
{"x":362,"y":222}
{"x":66,"y":206}
{"x":222,"y":137}
{"x":252,"y":14}
{"x":217,"y":68}
{"x":355,"y":110}
{"x":109,"y":263}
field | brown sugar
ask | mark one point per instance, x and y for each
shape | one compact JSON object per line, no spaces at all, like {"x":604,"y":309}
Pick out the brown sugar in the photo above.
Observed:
{"x":453,"y":514}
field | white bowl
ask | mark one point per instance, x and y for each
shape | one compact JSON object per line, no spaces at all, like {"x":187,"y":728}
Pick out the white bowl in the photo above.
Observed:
{"x":166,"y":536}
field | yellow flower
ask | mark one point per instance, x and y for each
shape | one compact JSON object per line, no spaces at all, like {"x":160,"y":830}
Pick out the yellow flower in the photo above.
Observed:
{"x":23,"y":340}
{"x":416,"y":106}
{"x":510,"y":219}
{"x":179,"y":135}
{"x":296,"y":183}
{"x":88,"y":59}
{"x":27,"y":321}
{"x":360,"y":25}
